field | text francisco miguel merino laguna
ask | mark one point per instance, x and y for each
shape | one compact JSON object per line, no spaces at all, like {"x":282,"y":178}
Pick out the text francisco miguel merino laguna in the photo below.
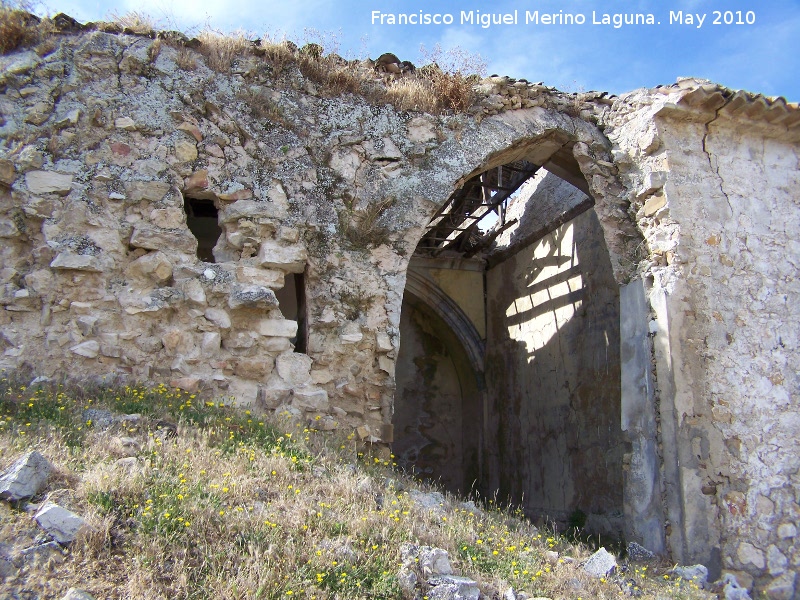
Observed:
{"x":486,"y":20}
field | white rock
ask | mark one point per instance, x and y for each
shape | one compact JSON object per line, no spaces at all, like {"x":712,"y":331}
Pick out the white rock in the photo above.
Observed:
{"x":288,"y":258}
{"x":310,"y":398}
{"x":210,"y":344}
{"x":59,"y":522}
{"x":600,"y":564}
{"x":384,"y":342}
{"x":248,"y":295}
{"x":696,"y":573}
{"x":194,"y":291}
{"x":185,"y":151}
{"x":277,"y":328}
{"x":749,"y":554}
{"x":47,"y":182}
{"x":77,"y":262}
{"x":219,"y":317}
{"x":25,"y":478}
{"x":154,"y":265}
{"x":294,"y":368}
{"x":787,"y":530}
{"x":434,"y":561}
{"x":89,"y":349}
{"x":125,"y":123}
{"x":76,"y":594}
{"x":782,"y":588}
{"x":776,"y":560}
{"x":451,"y":587}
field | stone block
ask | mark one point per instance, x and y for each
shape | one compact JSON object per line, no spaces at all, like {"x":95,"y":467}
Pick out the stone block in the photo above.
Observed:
{"x":384,"y":342}
{"x":291,"y":259}
{"x":248,"y":209}
{"x":697,"y":574}
{"x":256,"y":369}
{"x":194,"y":291}
{"x":782,"y":588}
{"x":62,"y":524}
{"x":251,"y":296}
{"x":48,"y":182}
{"x":7,"y":172}
{"x":152,"y":191}
{"x":188,"y":383}
{"x":294,"y":368}
{"x":196,"y":182}
{"x":654,"y":204}
{"x":8,"y":229}
{"x":168,"y":218}
{"x":152,"y":238}
{"x":185,"y":151}
{"x":277,"y":328}
{"x":600,"y":564}
{"x":88,"y":349}
{"x":310,"y":398}
{"x":154,"y":266}
{"x":77,"y":262}
{"x":452,"y":587}
{"x":270,"y":278}
{"x":125,"y":123}
{"x":210,"y":344}
{"x":25,"y":478}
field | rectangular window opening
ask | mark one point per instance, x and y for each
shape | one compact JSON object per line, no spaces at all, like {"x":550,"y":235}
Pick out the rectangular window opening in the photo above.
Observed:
{"x":292,"y":303}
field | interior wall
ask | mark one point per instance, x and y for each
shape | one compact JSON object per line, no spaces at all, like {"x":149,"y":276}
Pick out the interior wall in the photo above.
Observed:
{"x":437,"y":403}
{"x":553,"y":378}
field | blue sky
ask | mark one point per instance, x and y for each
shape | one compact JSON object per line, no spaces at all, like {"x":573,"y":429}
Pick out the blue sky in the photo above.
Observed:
{"x":760,"y":57}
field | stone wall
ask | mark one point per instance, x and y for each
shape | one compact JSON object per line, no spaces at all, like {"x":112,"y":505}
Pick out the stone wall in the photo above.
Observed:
{"x":717,"y":203}
{"x":108,"y":142}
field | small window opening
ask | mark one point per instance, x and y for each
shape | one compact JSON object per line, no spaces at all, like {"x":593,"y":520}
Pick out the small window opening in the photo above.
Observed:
{"x":292,"y":303}
{"x":202,"y":218}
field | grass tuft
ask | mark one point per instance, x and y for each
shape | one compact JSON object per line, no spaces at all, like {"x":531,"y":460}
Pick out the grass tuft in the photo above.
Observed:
{"x":18,"y":27}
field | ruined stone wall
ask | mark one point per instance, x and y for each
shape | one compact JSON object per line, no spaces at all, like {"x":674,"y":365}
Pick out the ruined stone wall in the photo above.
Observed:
{"x":718,"y":204}
{"x":106,"y":139}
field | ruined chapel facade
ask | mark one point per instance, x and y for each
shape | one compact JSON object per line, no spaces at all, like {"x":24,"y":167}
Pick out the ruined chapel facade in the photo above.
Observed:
{"x":621,"y":346}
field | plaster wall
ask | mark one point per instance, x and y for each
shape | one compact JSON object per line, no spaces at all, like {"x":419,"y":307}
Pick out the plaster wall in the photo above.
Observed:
{"x":553,"y":377}
{"x":438,"y":405}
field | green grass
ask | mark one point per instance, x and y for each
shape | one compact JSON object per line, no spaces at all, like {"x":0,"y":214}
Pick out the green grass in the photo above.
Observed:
{"x":238,"y":506}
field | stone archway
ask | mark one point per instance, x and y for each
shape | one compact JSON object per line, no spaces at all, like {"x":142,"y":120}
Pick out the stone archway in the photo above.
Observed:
{"x":579,"y":154}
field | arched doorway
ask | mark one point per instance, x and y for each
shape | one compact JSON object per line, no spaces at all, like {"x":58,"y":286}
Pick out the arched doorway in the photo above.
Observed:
{"x":550,"y":420}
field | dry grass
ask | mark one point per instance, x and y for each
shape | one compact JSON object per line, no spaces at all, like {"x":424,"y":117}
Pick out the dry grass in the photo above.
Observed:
{"x":135,"y":22}
{"x":186,"y":59}
{"x":17,"y":26}
{"x":221,"y":50}
{"x":362,"y":228}
{"x":236,"y":507}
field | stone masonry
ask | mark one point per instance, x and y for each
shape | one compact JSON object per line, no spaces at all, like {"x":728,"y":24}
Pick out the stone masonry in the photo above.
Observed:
{"x":107,"y":141}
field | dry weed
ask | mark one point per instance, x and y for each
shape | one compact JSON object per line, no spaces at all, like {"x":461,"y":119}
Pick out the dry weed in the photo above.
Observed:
{"x":221,"y":50}
{"x":186,"y":59}
{"x":135,"y":22}
{"x":17,"y":26}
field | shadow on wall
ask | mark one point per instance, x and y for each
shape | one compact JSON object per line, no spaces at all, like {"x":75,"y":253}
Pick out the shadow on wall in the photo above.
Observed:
{"x":553,"y":379}
{"x":437,"y":403}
